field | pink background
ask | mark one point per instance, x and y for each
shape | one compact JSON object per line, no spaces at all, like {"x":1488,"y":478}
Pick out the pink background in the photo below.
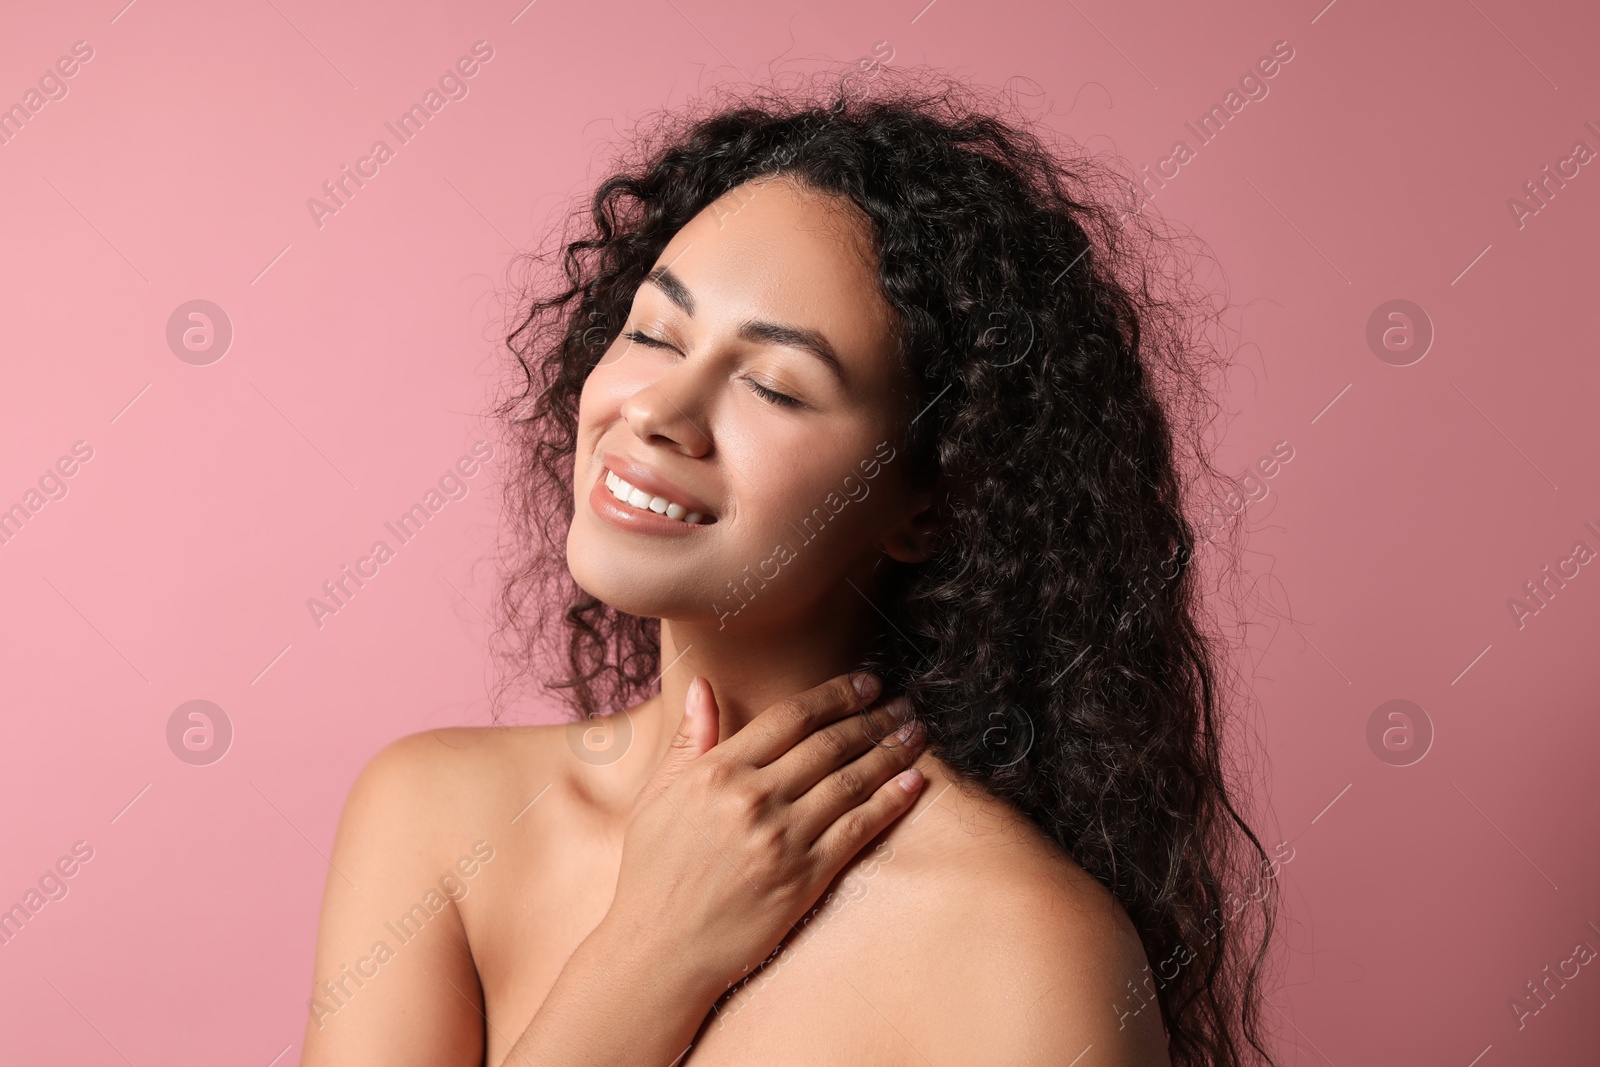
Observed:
{"x":1420,"y":498}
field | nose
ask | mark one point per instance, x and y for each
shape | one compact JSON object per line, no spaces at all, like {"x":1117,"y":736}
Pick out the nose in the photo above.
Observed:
{"x":671,"y":410}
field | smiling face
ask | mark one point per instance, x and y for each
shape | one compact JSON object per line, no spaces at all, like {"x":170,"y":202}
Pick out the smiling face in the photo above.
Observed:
{"x":754,"y":381}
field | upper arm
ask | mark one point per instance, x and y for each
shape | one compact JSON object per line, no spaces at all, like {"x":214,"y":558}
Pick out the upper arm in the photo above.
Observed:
{"x":1046,"y":982}
{"x":394,"y":982}
{"x":1082,"y":1005}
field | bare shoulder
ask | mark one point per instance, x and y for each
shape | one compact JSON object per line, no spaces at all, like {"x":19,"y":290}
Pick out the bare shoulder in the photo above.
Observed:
{"x":445,"y":782}
{"x":1027,"y":958}
{"x":410,"y":843}
{"x":430,"y":800}
{"x":426,"y":799}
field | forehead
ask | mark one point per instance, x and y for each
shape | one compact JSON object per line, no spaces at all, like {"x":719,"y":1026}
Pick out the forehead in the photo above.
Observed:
{"x":773,"y":249}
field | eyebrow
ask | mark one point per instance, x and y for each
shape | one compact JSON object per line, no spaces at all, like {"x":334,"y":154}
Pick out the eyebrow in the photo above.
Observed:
{"x":761,"y":332}
{"x":777,"y":333}
{"x":670,"y":284}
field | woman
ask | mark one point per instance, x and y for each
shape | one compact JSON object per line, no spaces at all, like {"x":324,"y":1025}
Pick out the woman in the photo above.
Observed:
{"x":831,"y":388}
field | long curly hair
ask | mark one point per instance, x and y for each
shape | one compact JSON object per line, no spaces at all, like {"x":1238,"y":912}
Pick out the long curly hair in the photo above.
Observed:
{"x":1056,"y":345}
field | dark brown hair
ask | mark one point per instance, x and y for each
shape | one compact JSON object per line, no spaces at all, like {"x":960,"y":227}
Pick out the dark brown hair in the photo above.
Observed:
{"x":1055,"y":646}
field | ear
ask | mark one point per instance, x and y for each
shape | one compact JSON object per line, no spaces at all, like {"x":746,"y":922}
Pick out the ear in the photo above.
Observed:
{"x":920,"y":536}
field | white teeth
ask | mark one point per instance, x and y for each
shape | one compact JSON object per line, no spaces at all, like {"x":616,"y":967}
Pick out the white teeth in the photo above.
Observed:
{"x":638,"y":498}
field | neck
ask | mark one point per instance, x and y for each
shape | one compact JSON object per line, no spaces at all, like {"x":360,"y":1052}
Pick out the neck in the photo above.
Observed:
{"x":752,"y":667}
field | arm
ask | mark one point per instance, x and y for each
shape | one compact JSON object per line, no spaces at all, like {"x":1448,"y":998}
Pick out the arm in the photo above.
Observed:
{"x":1052,"y":973}
{"x":622,"y":998}
{"x":393,"y":981}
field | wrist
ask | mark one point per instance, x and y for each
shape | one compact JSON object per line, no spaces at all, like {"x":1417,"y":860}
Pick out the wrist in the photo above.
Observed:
{"x":660,"y":961}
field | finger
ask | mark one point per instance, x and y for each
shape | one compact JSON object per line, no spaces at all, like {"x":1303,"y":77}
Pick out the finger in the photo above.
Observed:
{"x":782,"y":726}
{"x":852,"y":830}
{"x":832,"y":747}
{"x":852,"y":785}
{"x":697,"y":733}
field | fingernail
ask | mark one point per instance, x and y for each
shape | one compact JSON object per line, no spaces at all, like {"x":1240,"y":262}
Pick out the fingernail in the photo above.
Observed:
{"x":910,"y":780}
{"x":867,"y":684}
{"x":910,"y":733}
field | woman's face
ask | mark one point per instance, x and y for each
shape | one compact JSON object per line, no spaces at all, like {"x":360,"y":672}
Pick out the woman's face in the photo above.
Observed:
{"x":754,"y":381}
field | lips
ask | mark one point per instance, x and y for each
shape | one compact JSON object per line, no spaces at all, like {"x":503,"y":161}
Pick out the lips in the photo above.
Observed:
{"x":635,"y":499}
{"x":643,"y":478}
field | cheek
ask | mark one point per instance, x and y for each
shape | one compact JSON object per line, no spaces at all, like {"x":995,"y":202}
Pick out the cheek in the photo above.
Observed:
{"x":588,"y":401}
{"x":801,"y":492}
{"x":622,"y":372}
{"x":597,"y":412}
{"x":602,"y":397}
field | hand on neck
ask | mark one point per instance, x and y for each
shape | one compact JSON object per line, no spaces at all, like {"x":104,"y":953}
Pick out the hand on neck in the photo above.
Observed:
{"x":749,"y":669}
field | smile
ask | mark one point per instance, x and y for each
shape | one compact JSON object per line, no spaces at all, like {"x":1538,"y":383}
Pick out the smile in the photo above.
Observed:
{"x":640,"y":500}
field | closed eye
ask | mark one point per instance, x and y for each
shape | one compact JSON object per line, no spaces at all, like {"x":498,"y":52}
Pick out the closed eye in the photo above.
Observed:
{"x":645,"y":339}
{"x":772,"y":396}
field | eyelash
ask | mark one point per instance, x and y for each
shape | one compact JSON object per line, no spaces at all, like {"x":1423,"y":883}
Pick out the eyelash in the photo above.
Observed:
{"x":771,"y":396}
{"x":782,"y":400}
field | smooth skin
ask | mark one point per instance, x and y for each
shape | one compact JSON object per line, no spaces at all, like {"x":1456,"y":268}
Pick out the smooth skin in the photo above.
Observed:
{"x":519,"y":895}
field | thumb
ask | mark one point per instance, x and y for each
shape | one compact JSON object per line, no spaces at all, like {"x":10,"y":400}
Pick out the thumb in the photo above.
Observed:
{"x":697,"y":733}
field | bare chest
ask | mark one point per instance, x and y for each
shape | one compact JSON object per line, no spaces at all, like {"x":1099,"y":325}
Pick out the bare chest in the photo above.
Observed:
{"x":820,"y":996}
{"x":829,"y":993}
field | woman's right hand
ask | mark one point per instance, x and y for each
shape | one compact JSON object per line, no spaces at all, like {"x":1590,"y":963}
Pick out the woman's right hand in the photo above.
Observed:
{"x":730,"y":844}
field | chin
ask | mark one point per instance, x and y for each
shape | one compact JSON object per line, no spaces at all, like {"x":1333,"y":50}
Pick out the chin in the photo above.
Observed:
{"x":614,"y":594}
{"x":603,"y":568}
